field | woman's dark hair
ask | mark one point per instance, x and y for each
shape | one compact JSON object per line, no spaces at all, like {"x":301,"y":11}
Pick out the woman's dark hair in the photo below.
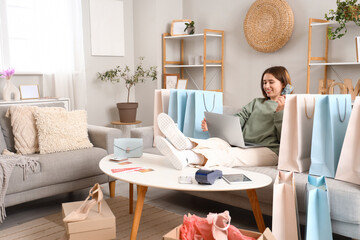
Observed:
{"x":280,"y":73}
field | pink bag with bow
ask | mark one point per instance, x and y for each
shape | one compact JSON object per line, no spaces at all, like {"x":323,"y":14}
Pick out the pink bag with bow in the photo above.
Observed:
{"x":214,"y":227}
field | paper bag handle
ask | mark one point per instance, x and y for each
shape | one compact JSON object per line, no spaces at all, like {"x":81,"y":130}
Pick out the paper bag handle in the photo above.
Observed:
{"x":338,"y":105}
{"x":205,"y":103}
{"x":306,"y":113}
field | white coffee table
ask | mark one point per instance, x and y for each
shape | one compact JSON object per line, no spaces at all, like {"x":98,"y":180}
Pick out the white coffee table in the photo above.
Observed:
{"x":166,"y":177}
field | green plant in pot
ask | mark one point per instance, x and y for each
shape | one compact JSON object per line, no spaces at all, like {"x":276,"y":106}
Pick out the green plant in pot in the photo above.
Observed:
{"x":190,"y":27}
{"x":347,"y":11}
{"x":127,"y":110}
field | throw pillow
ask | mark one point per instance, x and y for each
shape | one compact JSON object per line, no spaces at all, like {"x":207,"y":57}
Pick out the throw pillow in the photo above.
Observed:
{"x":24,"y":128}
{"x":61,"y":131}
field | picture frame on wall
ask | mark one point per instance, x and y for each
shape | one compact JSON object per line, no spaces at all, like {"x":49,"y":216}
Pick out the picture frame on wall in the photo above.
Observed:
{"x":29,"y":92}
{"x":178,"y":27}
{"x":181,"y":84}
{"x":170,"y":80}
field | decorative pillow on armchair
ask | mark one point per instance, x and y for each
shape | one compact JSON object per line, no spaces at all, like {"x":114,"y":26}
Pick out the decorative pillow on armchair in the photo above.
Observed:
{"x":61,"y":131}
{"x":24,"y":127}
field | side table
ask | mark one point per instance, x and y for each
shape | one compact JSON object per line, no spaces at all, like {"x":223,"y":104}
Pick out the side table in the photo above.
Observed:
{"x":126,"y":127}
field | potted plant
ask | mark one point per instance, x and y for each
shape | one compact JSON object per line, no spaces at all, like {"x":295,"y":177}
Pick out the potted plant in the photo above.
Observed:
{"x":127,"y":110}
{"x":190,"y":27}
{"x":346,"y":11}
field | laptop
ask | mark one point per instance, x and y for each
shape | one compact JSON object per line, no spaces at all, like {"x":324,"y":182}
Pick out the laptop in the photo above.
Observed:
{"x":228,"y":128}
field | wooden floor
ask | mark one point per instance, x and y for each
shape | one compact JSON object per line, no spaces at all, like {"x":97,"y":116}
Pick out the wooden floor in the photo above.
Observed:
{"x":174,"y":201}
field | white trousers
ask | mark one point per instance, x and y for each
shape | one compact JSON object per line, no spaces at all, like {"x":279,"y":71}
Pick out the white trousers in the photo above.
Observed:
{"x":219,"y":152}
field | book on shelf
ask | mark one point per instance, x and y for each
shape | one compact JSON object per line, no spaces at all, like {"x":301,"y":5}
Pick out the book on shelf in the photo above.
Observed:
{"x":357,"y":44}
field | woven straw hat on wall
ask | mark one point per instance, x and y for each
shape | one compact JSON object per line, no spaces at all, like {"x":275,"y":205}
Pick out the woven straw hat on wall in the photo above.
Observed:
{"x":268,"y":25}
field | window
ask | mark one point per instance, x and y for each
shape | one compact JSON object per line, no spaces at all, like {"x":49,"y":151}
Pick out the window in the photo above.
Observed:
{"x":22,"y":33}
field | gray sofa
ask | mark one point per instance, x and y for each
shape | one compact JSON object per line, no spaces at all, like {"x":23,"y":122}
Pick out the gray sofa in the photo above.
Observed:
{"x":60,"y":172}
{"x":344,"y":197}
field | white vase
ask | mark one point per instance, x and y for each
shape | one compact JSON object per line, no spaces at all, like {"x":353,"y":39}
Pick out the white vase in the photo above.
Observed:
{"x":9,"y":89}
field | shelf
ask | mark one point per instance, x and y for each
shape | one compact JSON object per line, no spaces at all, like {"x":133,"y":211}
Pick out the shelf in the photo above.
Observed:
{"x":195,"y":35}
{"x":334,"y":63}
{"x":201,"y":65}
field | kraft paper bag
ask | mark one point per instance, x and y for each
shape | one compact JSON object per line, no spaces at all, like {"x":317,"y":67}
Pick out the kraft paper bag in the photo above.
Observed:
{"x":332,"y":113}
{"x":349,"y":164}
{"x":197,"y":103}
{"x":318,"y":224}
{"x":296,"y":133}
{"x":161,"y":104}
{"x":285,"y":223}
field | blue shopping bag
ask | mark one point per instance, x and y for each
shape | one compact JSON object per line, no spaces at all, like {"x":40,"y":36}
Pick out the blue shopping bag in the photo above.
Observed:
{"x":197,"y":103}
{"x":331,"y":117}
{"x":318,"y":224}
{"x":177,"y":105}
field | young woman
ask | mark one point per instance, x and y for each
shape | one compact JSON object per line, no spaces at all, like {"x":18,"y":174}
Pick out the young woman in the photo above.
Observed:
{"x":261,"y":122}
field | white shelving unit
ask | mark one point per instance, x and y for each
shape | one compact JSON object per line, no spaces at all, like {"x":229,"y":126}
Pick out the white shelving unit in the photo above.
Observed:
{"x":207,"y":63}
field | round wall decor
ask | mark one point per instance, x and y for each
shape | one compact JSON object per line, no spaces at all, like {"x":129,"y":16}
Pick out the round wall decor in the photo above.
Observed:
{"x":268,"y":25}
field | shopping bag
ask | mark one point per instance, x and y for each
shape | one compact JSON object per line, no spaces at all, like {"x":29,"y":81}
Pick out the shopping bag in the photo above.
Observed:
{"x":296,"y":133}
{"x":128,"y":147}
{"x":349,"y":165}
{"x":318,"y":224}
{"x":177,"y":105}
{"x":285,"y":223}
{"x":332,"y":113}
{"x":161,"y":104}
{"x":197,"y":103}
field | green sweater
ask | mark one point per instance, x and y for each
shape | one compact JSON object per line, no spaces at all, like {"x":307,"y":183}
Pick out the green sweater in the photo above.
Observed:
{"x":261,"y":124}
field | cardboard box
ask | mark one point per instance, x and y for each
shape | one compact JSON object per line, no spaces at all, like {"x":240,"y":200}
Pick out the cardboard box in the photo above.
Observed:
{"x":174,"y":234}
{"x":97,"y":225}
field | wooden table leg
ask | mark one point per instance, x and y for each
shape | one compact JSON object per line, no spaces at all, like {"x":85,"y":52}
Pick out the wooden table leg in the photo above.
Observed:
{"x":131,"y":198}
{"x":112,"y":188}
{"x":256,"y":209}
{"x":141,"y":191}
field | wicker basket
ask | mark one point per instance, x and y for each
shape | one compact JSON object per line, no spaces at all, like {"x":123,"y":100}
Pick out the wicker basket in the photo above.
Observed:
{"x":268,"y":25}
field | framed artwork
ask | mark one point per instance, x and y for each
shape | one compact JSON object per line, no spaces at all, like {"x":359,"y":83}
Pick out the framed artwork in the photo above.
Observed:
{"x":29,"y":92}
{"x":107,"y":28}
{"x":181,"y":83}
{"x":170,"y":80}
{"x":178,"y":26}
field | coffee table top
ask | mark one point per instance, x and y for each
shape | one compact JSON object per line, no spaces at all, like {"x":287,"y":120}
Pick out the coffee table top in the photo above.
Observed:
{"x":166,"y":176}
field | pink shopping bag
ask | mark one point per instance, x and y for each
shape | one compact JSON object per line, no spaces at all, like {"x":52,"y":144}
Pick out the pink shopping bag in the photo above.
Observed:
{"x":161,"y":104}
{"x":296,"y":133}
{"x":285,"y":223}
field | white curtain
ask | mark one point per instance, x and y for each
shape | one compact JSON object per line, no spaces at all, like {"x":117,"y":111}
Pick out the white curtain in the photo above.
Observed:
{"x":61,"y":41}
{"x":4,"y":37}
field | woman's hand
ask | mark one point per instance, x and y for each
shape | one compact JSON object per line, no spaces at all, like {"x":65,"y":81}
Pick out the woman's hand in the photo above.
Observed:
{"x":204,"y":125}
{"x":281,"y":103}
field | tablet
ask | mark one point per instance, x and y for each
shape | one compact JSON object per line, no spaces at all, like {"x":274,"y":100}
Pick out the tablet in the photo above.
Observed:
{"x":236,"y":178}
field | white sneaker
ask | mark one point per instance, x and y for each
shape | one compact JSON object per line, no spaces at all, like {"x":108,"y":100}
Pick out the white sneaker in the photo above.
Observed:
{"x":176,"y":157}
{"x":168,"y":127}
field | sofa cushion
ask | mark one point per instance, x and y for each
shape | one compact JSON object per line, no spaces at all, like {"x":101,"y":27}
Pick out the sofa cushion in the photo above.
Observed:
{"x":61,"y":130}
{"x":57,"y":168}
{"x":6,"y":123}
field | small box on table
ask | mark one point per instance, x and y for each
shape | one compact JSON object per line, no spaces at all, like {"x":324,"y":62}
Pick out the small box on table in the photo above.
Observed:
{"x":97,"y":225}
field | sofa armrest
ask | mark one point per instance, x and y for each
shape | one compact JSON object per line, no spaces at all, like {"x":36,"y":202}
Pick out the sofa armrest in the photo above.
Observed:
{"x":103,"y":137}
{"x":146,"y":133}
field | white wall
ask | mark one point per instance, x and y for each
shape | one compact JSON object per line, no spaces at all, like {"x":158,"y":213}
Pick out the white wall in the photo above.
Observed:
{"x":151,"y":19}
{"x":103,"y":96}
{"x":146,"y":20}
{"x":244,"y":66}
